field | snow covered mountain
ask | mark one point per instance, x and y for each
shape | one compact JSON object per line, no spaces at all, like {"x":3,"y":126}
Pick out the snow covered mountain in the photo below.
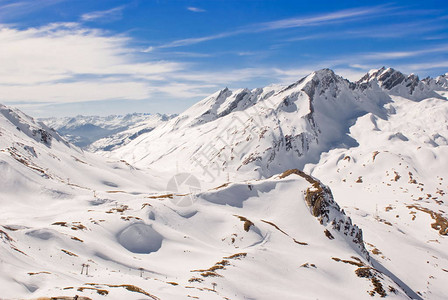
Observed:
{"x":380,"y":144}
{"x":213,"y":203}
{"x":107,"y":132}
{"x":264,"y":130}
{"x":74,"y":224}
{"x":398,"y":84}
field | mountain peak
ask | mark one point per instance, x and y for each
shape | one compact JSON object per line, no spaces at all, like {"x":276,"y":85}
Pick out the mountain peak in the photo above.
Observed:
{"x":398,"y":84}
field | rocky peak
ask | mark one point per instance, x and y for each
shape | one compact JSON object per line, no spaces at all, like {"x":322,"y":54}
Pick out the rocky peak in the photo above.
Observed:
{"x":398,"y":84}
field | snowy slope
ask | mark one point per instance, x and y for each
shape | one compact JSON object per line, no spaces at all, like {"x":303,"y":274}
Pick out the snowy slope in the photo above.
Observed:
{"x":111,"y":131}
{"x":72,"y":224}
{"x":263,"y":131}
{"x":379,"y":143}
{"x":394,"y":184}
{"x":233,"y":223}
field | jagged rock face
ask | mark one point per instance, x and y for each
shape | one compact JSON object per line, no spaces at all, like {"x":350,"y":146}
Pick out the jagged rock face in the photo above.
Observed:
{"x":398,"y":84}
{"x":440,"y":83}
{"x":320,"y":201}
{"x":263,"y":130}
{"x":35,"y":130}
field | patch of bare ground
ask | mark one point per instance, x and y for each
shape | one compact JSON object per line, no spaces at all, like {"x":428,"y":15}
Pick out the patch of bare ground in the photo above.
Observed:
{"x":247,"y":223}
{"x":364,"y":271}
{"x":220,"y":265}
{"x":356,"y":262}
{"x":328,"y":234}
{"x":383,"y":221}
{"x":129,"y":287}
{"x":169,"y":196}
{"x":221,"y":186}
{"x":23,"y":160}
{"x":99,"y":291}
{"x":375,"y":250}
{"x":118,"y":209}
{"x":374,"y":155}
{"x":69,"y":253}
{"x":5,"y":237}
{"x":76,"y":239}
{"x":10,"y":228}
{"x":297,"y":172}
{"x":372,"y":274}
{"x":73,"y":225}
{"x":308,"y":265}
{"x":397,"y":176}
{"x":211,"y":272}
{"x":236,"y":256}
{"x":37,"y":273}
{"x":130,"y":218}
{"x":411,"y":178}
{"x":440,"y":224}
{"x":278,"y":228}
{"x":388,"y":208}
{"x":9,"y":240}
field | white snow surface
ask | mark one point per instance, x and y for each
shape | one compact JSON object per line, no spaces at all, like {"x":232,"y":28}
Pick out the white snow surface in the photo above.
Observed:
{"x":242,"y":229}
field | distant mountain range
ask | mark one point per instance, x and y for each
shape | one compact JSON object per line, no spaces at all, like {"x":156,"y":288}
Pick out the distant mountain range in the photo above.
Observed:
{"x":110,"y":131}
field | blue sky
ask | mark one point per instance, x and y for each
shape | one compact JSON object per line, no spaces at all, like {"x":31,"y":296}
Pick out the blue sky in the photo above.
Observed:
{"x":69,"y":57}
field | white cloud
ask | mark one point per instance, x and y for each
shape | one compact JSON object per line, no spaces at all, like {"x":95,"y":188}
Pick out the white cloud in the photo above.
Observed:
{"x":404,"y":54}
{"x":14,"y":9}
{"x":66,"y":62}
{"x":79,"y":91}
{"x":109,"y":15}
{"x":195,"y":9}
{"x":348,"y":15}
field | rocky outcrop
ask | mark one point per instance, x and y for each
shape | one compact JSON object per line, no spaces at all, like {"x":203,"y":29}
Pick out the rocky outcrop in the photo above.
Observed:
{"x":322,"y":205}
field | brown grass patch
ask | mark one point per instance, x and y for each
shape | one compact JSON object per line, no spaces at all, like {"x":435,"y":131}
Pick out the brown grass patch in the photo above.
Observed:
{"x":77,"y":239}
{"x":133,"y":288}
{"x":357,"y":263}
{"x":210,"y":274}
{"x":221,"y":186}
{"x":69,"y":253}
{"x":118,"y":209}
{"x":236,"y":256}
{"x":278,"y":228}
{"x":169,"y":196}
{"x":247,"y":223}
{"x":99,"y":291}
{"x":37,"y":273}
{"x":440,"y":224}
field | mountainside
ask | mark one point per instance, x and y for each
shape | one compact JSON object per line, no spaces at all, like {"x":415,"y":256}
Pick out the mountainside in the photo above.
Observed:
{"x":399,"y":84}
{"x":380,"y":144}
{"x":73,"y":224}
{"x":105,"y":133}
{"x":325,"y":189}
{"x":264,"y":130}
